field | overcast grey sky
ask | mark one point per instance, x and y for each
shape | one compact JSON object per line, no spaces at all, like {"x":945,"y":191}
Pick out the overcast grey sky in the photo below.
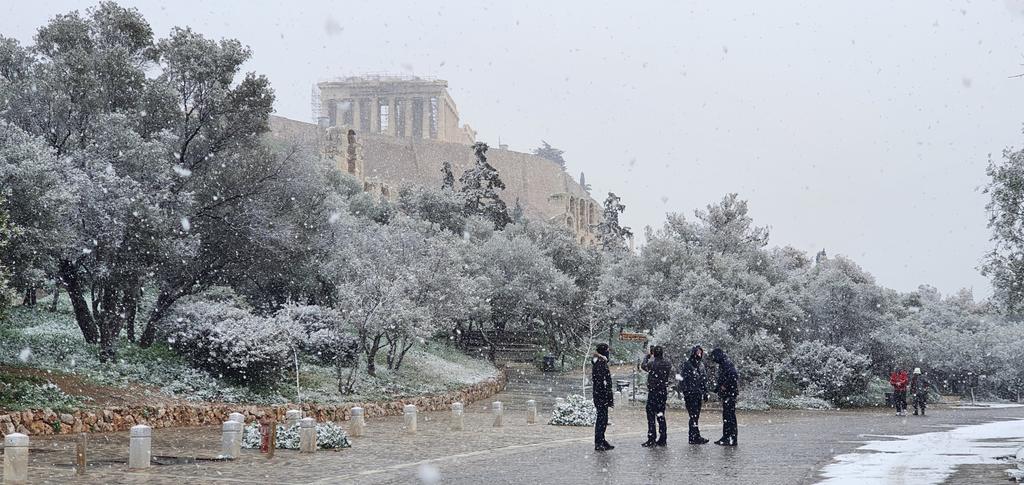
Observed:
{"x":860,"y":127}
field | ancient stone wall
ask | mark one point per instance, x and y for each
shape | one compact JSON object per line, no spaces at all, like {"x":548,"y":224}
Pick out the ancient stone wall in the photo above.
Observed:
{"x":47,"y":421}
{"x":545,"y":191}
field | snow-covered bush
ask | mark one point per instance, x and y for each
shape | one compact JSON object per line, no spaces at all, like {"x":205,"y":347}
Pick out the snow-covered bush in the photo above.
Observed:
{"x":575,"y":411}
{"x":322,"y":333}
{"x":329,"y":436}
{"x":18,"y":393}
{"x":224,"y":337}
{"x":828,"y":372}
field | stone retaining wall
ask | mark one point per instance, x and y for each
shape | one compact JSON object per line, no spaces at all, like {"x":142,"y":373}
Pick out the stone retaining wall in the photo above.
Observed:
{"x":47,"y":422}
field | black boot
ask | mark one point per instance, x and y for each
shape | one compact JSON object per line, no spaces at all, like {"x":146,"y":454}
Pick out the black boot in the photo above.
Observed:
{"x":608,"y":446}
{"x":699,"y":441}
{"x":648,"y":443}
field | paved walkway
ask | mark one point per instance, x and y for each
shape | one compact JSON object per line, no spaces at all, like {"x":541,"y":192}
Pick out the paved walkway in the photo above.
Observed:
{"x":784,"y":447}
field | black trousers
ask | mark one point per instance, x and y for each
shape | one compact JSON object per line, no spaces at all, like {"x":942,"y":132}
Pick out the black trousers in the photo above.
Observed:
{"x":601,"y":425}
{"x":693,"y":405}
{"x":920,"y":400}
{"x":656,"y":415}
{"x":900,"y":399}
{"x":730,"y":430}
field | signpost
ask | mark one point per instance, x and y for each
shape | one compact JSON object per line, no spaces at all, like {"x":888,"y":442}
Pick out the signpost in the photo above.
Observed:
{"x":632,"y":337}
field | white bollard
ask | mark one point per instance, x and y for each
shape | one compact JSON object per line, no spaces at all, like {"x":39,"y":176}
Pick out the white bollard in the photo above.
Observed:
{"x":15,"y":458}
{"x":307,"y":435}
{"x":458,"y":424}
{"x":237,"y":417}
{"x":531,"y":412}
{"x":358,"y":422}
{"x":410,"y":418}
{"x":559,"y":401}
{"x":291,"y":418}
{"x":498,"y":412}
{"x":231,"y":440}
{"x":140,"y":445}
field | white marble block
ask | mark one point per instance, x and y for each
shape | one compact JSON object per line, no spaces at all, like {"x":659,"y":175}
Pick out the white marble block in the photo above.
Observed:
{"x":499,"y":412}
{"x":410,"y":418}
{"x":140,"y":444}
{"x":307,"y":435}
{"x":358,"y":422}
{"x":231,"y":440}
{"x":291,"y":418}
{"x":15,"y":458}
{"x":531,"y":411}
{"x":457,"y":422}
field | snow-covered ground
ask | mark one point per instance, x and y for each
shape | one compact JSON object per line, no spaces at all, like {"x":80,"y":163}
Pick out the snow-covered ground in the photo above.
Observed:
{"x":988,"y":405}
{"x":927,"y":458}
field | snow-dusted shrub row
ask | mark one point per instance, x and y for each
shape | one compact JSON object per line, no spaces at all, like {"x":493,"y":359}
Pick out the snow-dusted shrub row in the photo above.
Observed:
{"x":828,"y":372}
{"x":226,"y":338}
{"x":575,"y":411}
{"x":329,"y":436}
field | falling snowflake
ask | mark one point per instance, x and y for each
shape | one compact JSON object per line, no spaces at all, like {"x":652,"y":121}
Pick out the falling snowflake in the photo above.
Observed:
{"x":182,"y":171}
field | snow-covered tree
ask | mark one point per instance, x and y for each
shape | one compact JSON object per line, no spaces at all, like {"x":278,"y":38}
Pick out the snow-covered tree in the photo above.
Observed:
{"x":828,"y":372}
{"x":1004,"y":263}
{"x":447,"y":177}
{"x":551,"y":153}
{"x":610,"y":234}
{"x":480,"y":184}
{"x":442,"y":207}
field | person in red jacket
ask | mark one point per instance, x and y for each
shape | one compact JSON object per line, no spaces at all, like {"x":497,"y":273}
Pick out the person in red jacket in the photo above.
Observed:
{"x":899,"y":380}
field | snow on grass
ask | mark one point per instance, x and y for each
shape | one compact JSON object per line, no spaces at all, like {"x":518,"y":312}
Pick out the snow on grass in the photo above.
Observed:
{"x":927,"y":458}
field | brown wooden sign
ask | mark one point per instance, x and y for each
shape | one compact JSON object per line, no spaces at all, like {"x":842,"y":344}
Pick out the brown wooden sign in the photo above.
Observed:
{"x":632,"y":337}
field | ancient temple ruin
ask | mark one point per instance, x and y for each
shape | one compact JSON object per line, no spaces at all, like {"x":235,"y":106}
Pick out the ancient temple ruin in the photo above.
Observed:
{"x":392,"y":131}
{"x":399,"y":106}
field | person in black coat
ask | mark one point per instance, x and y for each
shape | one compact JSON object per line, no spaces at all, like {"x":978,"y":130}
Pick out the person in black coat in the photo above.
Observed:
{"x":727,"y":388}
{"x":601,"y":378}
{"x":694,"y":388}
{"x":659,"y":371}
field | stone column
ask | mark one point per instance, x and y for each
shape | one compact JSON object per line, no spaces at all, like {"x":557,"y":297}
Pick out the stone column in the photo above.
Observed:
{"x":458,"y":423}
{"x":291,"y":417}
{"x":407,"y":114}
{"x":237,"y":417}
{"x":358,"y":422}
{"x":231,"y":439}
{"x":531,"y":411}
{"x":410,"y":418}
{"x":357,"y":115}
{"x":392,"y":119}
{"x":499,"y":411}
{"x":426,"y":117}
{"x":140,"y":444}
{"x":307,"y":435}
{"x":15,"y":458}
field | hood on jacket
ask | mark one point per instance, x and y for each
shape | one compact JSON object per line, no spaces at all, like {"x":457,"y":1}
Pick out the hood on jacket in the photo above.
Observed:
{"x":693,"y":353}
{"x":718,"y":356}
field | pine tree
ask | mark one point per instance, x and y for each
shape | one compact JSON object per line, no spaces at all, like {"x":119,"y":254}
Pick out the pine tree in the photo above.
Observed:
{"x":551,"y":153}
{"x":610,"y":235}
{"x":583,"y":183}
{"x":479,"y":185}
{"x":518,"y":212}
{"x":447,"y":177}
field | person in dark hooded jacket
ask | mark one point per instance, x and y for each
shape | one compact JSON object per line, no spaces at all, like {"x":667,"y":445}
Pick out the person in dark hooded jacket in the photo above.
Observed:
{"x":601,"y":378}
{"x":727,"y":388}
{"x":659,"y":371}
{"x":694,"y":388}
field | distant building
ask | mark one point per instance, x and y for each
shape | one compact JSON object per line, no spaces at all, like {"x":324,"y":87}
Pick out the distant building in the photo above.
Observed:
{"x":390,"y":131}
{"x":398,"y":106}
